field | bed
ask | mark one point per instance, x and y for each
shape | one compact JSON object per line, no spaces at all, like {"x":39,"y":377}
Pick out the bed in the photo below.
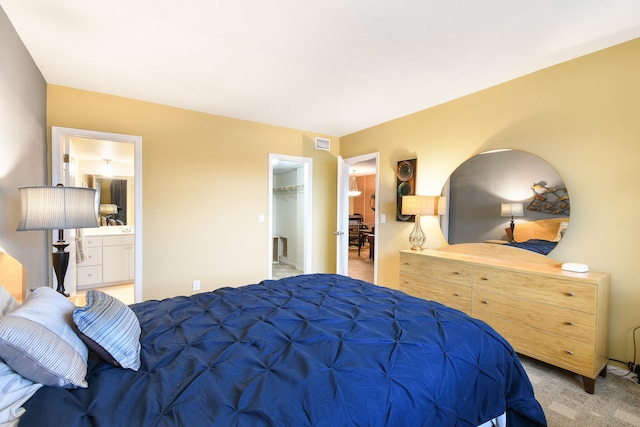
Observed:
{"x":320,"y":349}
{"x":539,"y":236}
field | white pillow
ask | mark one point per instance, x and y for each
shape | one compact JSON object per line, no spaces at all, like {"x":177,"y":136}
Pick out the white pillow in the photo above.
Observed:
{"x":38,"y":342}
{"x":14,"y":391}
{"x":7,"y":302}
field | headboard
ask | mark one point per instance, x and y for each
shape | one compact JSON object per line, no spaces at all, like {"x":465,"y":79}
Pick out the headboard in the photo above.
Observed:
{"x":13,"y":276}
{"x":543,"y":229}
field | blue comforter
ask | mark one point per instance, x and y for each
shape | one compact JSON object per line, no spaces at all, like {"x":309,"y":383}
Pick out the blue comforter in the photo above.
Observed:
{"x":311,"y":350}
{"x":535,"y":245}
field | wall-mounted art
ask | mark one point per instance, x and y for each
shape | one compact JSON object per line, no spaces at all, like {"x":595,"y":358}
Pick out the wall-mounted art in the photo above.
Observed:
{"x":550,"y":200}
{"x":405,"y":185}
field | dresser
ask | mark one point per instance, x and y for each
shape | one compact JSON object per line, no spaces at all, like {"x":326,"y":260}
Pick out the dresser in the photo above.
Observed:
{"x":556,"y":316}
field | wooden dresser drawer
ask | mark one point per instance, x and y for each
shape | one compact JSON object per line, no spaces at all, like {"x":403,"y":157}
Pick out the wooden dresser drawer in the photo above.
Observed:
{"x":548,"y":290}
{"x":450,"y":294}
{"x":565,"y":353}
{"x":572,"y":324}
{"x":448,"y":271}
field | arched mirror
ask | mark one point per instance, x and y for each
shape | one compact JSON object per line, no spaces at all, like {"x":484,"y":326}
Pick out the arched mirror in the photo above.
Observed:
{"x":506,"y":197}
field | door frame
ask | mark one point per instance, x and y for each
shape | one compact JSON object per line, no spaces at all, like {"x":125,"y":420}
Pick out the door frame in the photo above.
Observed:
{"x":342,"y":234}
{"x":307,"y":164}
{"x":60,"y":142}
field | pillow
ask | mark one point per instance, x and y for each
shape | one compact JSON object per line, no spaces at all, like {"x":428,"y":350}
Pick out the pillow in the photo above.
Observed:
{"x":38,"y":342}
{"x":109,"y":328}
{"x":7,"y":302}
{"x":14,"y":391}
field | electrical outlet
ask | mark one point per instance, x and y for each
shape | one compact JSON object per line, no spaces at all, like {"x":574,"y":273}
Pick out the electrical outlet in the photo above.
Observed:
{"x":196,"y":285}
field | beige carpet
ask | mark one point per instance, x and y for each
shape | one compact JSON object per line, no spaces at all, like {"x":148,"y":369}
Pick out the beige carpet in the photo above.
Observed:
{"x":616,"y":401}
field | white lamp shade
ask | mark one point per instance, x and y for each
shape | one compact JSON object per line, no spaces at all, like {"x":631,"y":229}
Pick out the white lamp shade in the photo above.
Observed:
{"x":57,"y":208}
{"x":511,"y":209}
{"x":420,"y":205}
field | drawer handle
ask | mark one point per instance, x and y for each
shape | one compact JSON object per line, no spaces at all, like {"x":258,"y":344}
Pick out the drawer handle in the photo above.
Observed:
{"x":456,"y":272}
{"x":407,"y":263}
{"x":457,"y":294}
{"x":571,"y":294}
{"x":569,"y":323}
{"x":485,"y":278}
{"x":485,"y":301}
{"x":569,"y":352}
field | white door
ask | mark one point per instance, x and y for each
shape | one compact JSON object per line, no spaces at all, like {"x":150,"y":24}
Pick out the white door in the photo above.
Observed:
{"x":342,"y":221}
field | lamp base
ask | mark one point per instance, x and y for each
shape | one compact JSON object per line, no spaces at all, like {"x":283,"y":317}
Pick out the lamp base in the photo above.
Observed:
{"x":60,"y":264}
{"x":512,"y":225}
{"x":417,"y":237}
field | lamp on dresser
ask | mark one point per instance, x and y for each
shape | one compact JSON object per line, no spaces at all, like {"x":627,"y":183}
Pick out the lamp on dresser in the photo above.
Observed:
{"x":512,"y":209}
{"x":58,"y":208}
{"x":419,"y":206}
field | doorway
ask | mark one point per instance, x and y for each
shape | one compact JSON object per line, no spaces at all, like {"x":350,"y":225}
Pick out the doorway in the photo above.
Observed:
{"x":357,"y":247}
{"x":289,"y":216}
{"x":81,"y":158}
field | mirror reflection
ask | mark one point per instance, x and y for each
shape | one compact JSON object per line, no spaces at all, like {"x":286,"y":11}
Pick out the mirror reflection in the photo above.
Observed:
{"x":506,"y":197}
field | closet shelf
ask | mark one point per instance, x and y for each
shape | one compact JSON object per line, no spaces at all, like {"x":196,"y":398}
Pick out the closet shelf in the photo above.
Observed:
{"x":289,"y":189}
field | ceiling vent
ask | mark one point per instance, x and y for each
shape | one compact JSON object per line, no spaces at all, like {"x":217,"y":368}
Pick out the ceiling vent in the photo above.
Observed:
{"x":323,"y":144}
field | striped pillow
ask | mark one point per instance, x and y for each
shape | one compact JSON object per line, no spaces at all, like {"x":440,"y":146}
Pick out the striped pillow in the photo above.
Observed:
{"x":38,"y":342}
{"x":110,"y":329}
{"x":7,"y":302}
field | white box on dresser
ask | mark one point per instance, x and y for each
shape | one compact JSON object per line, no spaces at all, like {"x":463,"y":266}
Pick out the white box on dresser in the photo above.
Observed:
{"x":556,"y":316}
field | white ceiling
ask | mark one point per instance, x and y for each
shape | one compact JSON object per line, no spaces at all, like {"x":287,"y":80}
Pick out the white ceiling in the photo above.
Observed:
{"x":326,"y":66}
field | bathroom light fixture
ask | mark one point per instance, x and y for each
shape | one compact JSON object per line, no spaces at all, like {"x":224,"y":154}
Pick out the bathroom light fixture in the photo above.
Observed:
{"x":107,"y":170}
{"x":58,"y":208}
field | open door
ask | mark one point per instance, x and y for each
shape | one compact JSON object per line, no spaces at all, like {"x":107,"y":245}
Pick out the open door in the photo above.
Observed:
{"x":290,"y":216}
{"x":68,"y":146}
{"x":370,"y":163}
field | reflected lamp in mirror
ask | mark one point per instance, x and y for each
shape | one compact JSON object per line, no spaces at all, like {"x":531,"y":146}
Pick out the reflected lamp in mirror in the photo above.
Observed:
{"x":512,"y":209}
{"x":419,"y":206}
{"x":58,"y":208}
{"x":108,"y":209}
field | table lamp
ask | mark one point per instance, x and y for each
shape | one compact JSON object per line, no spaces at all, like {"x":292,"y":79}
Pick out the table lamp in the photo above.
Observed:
{"x":512,"y":209}
{"x":58,"y":208}
{"x":418,"y":206}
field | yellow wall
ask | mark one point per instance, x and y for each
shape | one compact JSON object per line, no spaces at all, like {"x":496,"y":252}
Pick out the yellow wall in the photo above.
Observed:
{"x":583,"y":118}
{"x":204,"y":183}
{"x":211,"y":172}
